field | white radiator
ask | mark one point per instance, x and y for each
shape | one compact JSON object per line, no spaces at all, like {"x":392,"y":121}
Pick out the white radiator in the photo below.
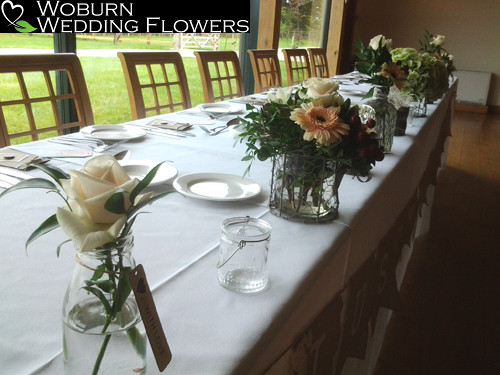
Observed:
{"x":473,"y":87}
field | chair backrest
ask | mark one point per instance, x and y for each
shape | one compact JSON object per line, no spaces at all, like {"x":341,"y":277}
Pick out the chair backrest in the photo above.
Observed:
{"x":220,"y":74}
{"x":29,"y":103}
{"x":156,"y":82}
{"x":297,"y":65}
{"x":319,"y":62}
{"x":266,"y":69}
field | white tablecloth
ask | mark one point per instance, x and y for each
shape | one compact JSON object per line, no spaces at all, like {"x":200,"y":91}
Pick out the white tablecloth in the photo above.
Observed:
{"x":210,"y":330}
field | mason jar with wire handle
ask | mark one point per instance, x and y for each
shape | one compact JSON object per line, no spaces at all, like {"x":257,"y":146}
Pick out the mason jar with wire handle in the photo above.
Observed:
{"x":244,"y":246}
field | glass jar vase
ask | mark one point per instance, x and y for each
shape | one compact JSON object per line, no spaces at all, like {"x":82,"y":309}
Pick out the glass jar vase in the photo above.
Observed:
{"x":103,"y":332}
{"x":401,"y":121}
{"x":420,"y":108}
{"x":384,"y":113}
{"x":305,"y":188}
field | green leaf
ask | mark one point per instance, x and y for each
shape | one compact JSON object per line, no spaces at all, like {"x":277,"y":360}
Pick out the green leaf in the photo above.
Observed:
{"x":99,"y":272}
{"x":60,"y":246}
{"x":116,"y":203}
{"x":135,"y":337}
{"x":149,"y":201}
{"x":106,"y":286}
{"x":96,"y":292}
{"x":48,"y":225}
{"x":123,"y":290}
{"x":24,"y":27}
{"x":144,"y":183}
{"x":40,"y":183}
{"x":56,"y":174}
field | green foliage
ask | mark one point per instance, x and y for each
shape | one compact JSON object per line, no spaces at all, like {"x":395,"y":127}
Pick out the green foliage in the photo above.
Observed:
{"x":370,"y":62}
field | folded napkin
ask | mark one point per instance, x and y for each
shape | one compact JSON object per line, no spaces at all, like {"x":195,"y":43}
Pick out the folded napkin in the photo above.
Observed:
{"x":15,"y":159}
{"x":172,"y":125}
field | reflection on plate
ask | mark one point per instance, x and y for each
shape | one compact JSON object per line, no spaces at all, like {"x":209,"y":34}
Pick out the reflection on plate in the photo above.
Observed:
{"x":219,"y":108}
{"x":216,"y":187}
{"x":112,"y":132}
{"x":140,"y":168}
{"x":352,"y":92}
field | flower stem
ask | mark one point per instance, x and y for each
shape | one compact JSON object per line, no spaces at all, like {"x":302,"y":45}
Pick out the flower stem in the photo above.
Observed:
{"x":104,"y":345}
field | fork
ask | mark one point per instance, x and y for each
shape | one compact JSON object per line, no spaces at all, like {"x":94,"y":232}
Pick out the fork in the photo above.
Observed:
{"x":95,"y":145}
{"x":214,"y":131}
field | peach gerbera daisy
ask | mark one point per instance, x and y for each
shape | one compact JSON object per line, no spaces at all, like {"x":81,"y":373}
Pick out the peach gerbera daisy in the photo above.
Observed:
{"x":320,"y":123}
{"x":393,"y":71}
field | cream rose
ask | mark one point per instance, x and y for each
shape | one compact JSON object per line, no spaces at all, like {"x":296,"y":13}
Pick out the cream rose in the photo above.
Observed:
{"x":87,"y":222}
{"x":323,"y":92}
{"x":438,"y":40}
{"x":380,"y":41}
{"x":317,"y":87}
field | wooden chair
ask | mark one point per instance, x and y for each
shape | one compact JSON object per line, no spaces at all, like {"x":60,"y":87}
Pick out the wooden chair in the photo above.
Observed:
{"x":29,"y":104}
{"x":319,"y":62}
{"x":266,"y":69}
{"x":297,"y":65}
{"x":220,"y":74}
{"x":156,"y":82}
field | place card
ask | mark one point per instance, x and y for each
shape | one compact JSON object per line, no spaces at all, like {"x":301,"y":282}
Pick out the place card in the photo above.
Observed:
{"x":15,"y":159}
{"x":150,"y":318}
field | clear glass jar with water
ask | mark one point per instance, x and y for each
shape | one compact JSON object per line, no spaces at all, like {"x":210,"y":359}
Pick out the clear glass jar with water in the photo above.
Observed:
{"x":244,"y":246}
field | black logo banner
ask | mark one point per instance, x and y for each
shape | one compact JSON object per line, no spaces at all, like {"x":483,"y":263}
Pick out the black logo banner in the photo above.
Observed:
{"x":60,"y":16}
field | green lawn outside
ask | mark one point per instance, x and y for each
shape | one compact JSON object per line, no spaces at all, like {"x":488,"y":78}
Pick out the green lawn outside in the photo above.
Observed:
{"x":104,"y":75}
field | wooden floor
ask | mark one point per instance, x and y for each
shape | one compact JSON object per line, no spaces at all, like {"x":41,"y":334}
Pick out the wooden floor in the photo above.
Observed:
{"x":450,"y":321}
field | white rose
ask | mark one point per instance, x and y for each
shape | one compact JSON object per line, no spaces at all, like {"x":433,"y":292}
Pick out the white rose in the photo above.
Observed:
{"x":87,"y":223}
{"x":388,"y":44}
{"x":380,"y":41}
{"x":317,"y":87}
{"x":333,"y":100}
{"x":281,"y":95}
{"x":438,"y":40}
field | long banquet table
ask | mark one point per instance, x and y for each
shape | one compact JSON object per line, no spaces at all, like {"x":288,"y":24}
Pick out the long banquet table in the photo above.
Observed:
{"x":332,"y":286}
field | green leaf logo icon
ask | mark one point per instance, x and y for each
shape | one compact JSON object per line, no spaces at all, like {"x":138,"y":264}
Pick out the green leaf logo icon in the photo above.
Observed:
{"x":24,"y":27}
{"x":12,"y":13}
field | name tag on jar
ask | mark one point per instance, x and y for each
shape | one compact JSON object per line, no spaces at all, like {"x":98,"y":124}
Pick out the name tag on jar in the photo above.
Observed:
{"x":150,"y":318}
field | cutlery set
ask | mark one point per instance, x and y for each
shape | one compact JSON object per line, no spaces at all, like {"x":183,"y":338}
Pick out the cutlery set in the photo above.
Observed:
{"x":11,"y":176}
{"x":95,"y":145}
{"x":169,"y":133}
{"x":214,"y":131}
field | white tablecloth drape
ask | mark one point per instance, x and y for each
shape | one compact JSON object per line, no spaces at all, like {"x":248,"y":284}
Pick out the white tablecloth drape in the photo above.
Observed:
{"x":212,"y":330}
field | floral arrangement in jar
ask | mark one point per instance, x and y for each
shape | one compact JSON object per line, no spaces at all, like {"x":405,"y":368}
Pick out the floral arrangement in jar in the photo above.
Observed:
{"x":416,"y":71}
{"x":433,"y":45}
{"x":319,"y":129}
{"x":427,"y":76}
{"x":313,"y":120}
{"x":375,"y":61}
{"x":100,"y":318}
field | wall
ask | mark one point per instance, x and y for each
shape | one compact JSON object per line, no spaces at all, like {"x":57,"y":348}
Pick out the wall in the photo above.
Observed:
{"x":471,"y":27}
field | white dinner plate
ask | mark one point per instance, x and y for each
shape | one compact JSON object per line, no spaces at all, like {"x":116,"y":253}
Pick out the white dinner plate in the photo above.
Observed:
{"x":216,"y":186}
{"x":219,"y":108}
{"x":113,"y":132}
{"x":140,"y":168}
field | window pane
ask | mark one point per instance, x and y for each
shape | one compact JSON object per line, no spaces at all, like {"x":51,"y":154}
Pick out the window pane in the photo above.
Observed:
{"x":302,"y":23}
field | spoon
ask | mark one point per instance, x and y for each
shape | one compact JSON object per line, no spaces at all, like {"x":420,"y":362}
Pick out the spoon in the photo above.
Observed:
{"x":122,"y":155}
{"x":220,"y":129}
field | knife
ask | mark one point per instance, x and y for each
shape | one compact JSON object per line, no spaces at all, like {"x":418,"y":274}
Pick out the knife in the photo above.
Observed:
{"x":8,"y":180}
{"x":15,"y":173}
